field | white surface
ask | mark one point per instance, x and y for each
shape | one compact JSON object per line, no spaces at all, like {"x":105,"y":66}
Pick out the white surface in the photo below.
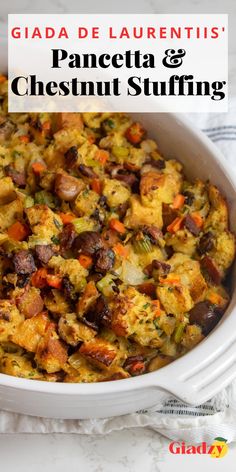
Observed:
{"x":134,"y":450}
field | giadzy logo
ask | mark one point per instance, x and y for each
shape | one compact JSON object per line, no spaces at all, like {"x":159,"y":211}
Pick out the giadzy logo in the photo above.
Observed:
{"x":217,"y":449}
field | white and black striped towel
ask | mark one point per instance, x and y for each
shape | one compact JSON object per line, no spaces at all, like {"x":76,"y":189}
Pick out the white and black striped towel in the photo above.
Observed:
{"x":170,"y":417}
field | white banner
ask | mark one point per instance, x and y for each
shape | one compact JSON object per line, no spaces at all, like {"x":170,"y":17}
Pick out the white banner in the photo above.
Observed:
{"x":129,"y":63}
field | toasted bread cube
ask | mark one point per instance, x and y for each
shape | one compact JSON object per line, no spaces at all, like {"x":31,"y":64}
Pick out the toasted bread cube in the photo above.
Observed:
{"x":223,"y":252}
{"x":138,"y":214}
{"x":73,"y":331}
{"x":134,"y":316}
{"x":158,"y":188}
{"x":19,"y":366}
{"x":182,"y":241}
{"x":190,"y":275}
{"x":51,"y":354}
{"x":70,"y":268}
{"x":176,"y":299}
{"x":218,"y":216}
{"x":115,"y":192}
{"x":192,"y":336}
{"x":31,"y":331}
{"x":7,"y":191}
{"x":99,"y":352}
{"x":10,"y":213}
{"x":44,"y":224}
{"x":10,"y":319}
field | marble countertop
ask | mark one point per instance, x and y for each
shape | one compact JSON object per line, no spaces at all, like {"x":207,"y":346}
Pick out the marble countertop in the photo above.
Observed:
{"x":130,"y":450}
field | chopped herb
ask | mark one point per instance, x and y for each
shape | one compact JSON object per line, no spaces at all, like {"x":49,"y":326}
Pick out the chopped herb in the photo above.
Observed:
{"x":16,"y":154}
{"x":57,"y":223}
{"x":55,"y":240}
{"x":146,"y":306}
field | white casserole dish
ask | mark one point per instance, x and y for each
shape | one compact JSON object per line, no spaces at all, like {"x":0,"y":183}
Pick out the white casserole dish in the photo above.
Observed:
{"x":195,"y":377}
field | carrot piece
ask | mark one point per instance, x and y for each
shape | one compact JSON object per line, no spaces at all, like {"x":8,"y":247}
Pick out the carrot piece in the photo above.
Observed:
{"x":175,"y":225}
{"x":85,"y":261}
{"x":38,"y":167}
{"x":170,"y":280}
{"x":24,"y":139}
{"x":135,"y":133}
{"x":117,"y":226}
{"x":46,"y":126}
{"x":121,"y":250}
{"x":137,"y":367}
{"x":157,"y":307}
{"x":215,"y":298}
{"x":102,"y":156}
{"x":198,"y":220}
{"x":39,"y":278}
{"x":96,"y":186}
{"x":67,"y":218}
{"x":178,"y":202}
{"x":18,"y":231}
{"x":54,"y":281}
{"x":2,"y":79}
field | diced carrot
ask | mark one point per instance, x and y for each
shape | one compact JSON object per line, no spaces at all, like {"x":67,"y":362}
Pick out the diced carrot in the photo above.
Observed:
{"x":96,"y":186}
{"x":170,"y":280}
{"x":67,"y":218}
{"x":121,"y":250}
{"x":85,"y":261}
{"x":54,"y":281}
{"x":198,"y":220}
{"x":18,"y":231}
{"x":38,"y":168}
{"x":24,"y":139}
{"x":215,"y":298}
{"x":2,"y":79}
{"x":175,"y":225}
{"x":39,"y":278}
{"x":157,"y":307}
{"x":117,"y":226}
{"x":46,"y":126}
{"x":137,"y":367}
{"x":102,"y":156}
{"x":178,"y":201}
{"x":135,"y":133}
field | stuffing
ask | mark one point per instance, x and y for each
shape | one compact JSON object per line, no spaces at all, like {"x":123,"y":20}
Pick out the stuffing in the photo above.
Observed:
{"x":73,"y":331}
{"x":7,"y":191}
{"x":134,"y":316}
{"x":115,"y":192}
{"x":45,"y":224}
{"x":10,"y":213}
{"x":138,"y":214}
{"x":192,"y":336}
{"x":218,"y":215}
{"x":10,"y":319}
{"x":112,"y":262}
{"x":86,"y":202}
{"x":190,"y":276}
{"x":158,"y":188}
{"x":51,"y":354}
{"x":31,"y":331}
{"x":223,"y":251}
{"x":56,"y":303}
{"x":19,"y":366}
{"x":174,"y":295}
{"x":30,"y":303}
{"x":100,"y":353}
{"x":70,"y":268}
{"x":182,"y":241}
